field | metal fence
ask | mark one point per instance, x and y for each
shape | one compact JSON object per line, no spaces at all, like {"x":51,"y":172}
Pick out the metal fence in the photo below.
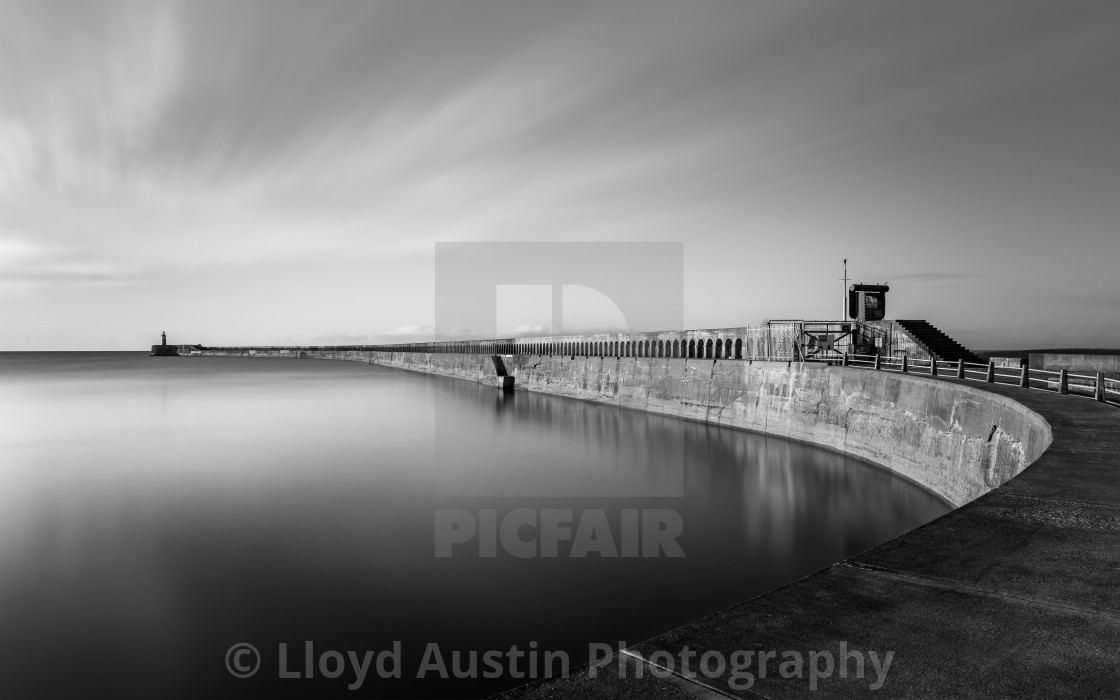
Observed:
{"x":783,"y":340}
{"x":1095,"y":386}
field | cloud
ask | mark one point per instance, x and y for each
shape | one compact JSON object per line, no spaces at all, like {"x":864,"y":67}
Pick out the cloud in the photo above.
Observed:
{"x":412,"y":330}
{"x":341,"y":339}
{"x":26,"y":265}
{"x":527,"y":330}
{"x":935,"y":276}
{"x":318,"y":147}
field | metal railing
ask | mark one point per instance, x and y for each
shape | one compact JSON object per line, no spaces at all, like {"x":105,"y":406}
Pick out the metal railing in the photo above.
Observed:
{"x":1096,"y":386}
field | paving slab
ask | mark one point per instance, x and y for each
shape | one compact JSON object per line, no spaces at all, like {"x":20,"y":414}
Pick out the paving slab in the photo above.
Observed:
{"x":947,"y":642}
{"x":621,"y":677}
{"x":1033,"y":548}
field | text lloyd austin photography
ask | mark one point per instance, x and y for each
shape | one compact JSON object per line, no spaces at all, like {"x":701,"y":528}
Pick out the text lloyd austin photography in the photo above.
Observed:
{"x":741,"y":667}
{"x":422,"y":350}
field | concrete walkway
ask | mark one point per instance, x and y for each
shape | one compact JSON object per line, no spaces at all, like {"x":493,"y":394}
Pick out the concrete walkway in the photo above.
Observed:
{"x":1016,"y":594}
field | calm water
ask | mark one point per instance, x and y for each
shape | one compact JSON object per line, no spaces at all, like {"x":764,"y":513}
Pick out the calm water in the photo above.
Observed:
{"x":156,"y":511}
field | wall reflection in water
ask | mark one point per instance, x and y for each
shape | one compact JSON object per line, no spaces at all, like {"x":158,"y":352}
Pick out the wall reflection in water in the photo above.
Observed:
{"x":155,"y":511}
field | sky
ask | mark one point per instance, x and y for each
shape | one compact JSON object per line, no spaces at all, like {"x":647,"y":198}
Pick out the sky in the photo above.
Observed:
{"x":281,"y":172}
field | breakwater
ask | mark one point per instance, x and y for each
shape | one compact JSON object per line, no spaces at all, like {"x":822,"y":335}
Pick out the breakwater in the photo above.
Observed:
{"x":957,"y":440}
{"x":1023,"y":577}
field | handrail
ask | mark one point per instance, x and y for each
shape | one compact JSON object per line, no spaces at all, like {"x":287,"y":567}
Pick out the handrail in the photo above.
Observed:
{"x":1097,"y":387}
{"x":1081,"y":376}
{"x":1044,"y":371}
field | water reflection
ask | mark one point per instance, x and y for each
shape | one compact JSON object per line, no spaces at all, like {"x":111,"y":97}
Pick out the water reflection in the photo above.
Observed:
{"x":155,"y":511}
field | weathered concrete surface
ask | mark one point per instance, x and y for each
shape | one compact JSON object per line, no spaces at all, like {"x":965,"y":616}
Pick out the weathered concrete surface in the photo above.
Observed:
{"x":956,"y":440}
{"x":174,"y":350}
{"x":619,"y":678}
{"x":948,"y":641}
{"x":1078,"y":363}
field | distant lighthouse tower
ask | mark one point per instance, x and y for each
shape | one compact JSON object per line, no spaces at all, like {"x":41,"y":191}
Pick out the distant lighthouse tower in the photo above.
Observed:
{"x":163,"y":349}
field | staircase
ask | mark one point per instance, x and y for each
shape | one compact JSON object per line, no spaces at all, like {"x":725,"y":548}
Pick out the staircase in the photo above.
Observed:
{"x":937,"y":343}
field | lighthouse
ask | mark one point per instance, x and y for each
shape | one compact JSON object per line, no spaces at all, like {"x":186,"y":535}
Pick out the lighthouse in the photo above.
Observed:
{"x":163,"y":349}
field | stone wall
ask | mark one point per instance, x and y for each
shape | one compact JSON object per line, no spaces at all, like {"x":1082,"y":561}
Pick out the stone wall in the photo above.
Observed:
{"x":1077,"y":363}
{"x":771,"y":340}
{"x":174,"y":350}
{"x":955,"y":439}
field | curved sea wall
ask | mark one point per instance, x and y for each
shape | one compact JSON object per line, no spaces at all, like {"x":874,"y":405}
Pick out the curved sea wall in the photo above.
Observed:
{"x":955,"y":439}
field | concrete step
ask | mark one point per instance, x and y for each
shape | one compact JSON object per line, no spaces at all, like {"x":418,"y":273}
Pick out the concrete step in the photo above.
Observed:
{"x":936,"y":341}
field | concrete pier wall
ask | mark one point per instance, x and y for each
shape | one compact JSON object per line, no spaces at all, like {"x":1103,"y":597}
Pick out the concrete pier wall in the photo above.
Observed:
{"x":1078,"y":363}
{"x":957,"y":440}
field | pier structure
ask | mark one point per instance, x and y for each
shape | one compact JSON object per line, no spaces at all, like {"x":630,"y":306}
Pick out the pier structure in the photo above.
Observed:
{"x":1014,"y":593}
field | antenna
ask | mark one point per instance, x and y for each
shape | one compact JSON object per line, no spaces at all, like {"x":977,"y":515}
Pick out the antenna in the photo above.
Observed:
{"x":845,"y":278}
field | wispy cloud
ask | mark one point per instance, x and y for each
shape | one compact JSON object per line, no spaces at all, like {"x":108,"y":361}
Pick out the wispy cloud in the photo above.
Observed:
{"x":341,"y":339}
{"x":412,"y":331}
{"x":26,"y":265}
{"x":525,"y":330}
{"x":318,"y":150}
{"x":935,"y":276}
